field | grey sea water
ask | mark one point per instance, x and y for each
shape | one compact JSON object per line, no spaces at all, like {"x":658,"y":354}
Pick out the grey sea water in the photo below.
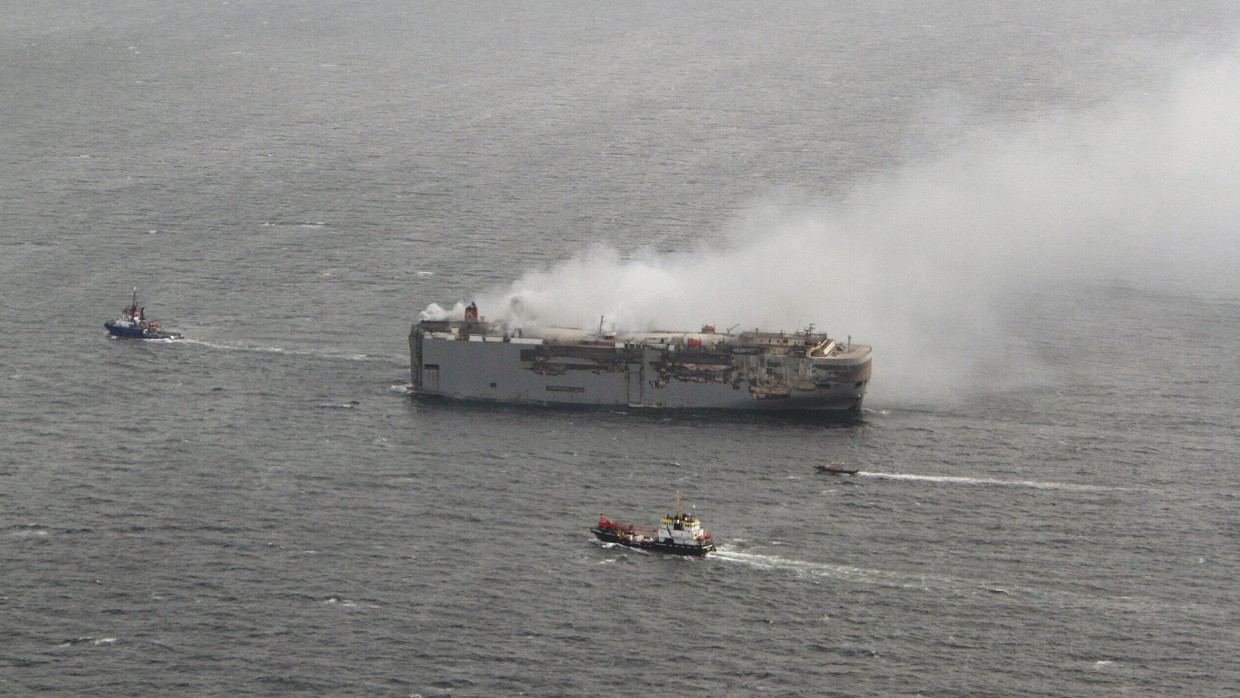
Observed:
{"x":263,"y":510}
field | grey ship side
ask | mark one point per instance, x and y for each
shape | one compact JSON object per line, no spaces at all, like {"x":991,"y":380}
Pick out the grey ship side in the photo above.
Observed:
{"x":474,"y":359}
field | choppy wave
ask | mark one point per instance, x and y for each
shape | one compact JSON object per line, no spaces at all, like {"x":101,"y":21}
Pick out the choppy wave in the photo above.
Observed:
{"x":350,"y":405}
{"x":294,"y":224}
{"x":87,"y":640}
{"x":29,"y":530}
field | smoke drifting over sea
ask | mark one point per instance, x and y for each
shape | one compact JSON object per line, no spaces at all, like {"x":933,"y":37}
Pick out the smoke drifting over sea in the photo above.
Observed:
{"x":1144,"y":189}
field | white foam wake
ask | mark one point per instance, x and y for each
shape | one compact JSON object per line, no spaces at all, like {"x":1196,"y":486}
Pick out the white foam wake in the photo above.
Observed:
{"x":963,"y":587}
{"x":953,"y":479}
{"x":344,"y":356}
{"x":846,"y":572}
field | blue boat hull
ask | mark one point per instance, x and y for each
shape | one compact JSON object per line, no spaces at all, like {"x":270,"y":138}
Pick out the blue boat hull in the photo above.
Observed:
{"x":117,"y":329}
{"x":653,"y":545}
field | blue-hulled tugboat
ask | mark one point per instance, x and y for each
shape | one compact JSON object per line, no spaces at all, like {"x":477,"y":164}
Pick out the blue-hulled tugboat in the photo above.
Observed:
{"x":132,"y":324}
{"x":679,"y":534}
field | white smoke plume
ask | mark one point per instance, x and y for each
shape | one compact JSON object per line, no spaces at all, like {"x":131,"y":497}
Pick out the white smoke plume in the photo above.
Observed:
{"x":920,"y":262}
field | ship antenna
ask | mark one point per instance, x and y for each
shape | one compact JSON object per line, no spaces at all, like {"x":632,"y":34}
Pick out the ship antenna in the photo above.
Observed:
{"x":600,"y":324}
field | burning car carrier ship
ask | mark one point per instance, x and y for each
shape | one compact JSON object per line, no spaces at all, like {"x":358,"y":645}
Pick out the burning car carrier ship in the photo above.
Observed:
{"x":478,"y":360}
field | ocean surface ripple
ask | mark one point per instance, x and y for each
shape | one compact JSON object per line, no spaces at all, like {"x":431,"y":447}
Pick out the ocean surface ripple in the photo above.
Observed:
{"x":263,"y":509}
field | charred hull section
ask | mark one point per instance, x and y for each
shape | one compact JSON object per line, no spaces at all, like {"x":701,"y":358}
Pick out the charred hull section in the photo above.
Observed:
{"x":473,"y":359}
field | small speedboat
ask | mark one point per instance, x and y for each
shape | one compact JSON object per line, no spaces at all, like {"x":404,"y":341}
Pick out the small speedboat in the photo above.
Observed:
{"x":679,"y":534}
{"x":833,"y":469}
{"x":132,"y":324}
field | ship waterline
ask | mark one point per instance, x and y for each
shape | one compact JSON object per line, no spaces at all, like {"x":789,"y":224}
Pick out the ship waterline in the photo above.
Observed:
{"x":478,"y":360}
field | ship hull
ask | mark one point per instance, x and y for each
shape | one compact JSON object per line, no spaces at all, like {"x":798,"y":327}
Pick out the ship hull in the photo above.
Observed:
{"x":125,"y":331}
{"x":653,"y":546}
{"x":530,"y":371}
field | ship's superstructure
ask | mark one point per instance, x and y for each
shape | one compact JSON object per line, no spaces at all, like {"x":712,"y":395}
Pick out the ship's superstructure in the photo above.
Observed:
{"x":475,"y":359}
